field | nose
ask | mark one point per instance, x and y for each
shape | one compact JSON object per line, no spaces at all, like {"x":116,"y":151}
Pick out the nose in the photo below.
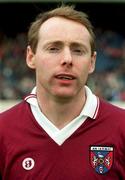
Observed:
{"x":66,"y":57}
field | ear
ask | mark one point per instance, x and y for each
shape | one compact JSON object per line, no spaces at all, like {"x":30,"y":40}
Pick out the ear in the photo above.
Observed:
{"x":30,"y":58}
{"x":92,"y":63}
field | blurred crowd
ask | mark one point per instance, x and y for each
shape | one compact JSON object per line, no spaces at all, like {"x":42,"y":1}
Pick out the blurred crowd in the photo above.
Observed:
{"x":108,"y":80}
{"x":16,"y":79}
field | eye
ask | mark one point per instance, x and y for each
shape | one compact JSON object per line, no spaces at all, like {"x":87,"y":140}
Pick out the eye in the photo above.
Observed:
{"x":53,"y":49}
{"x":78,"y":51}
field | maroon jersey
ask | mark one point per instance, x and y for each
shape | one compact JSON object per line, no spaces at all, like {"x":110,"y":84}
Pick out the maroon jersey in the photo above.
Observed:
{"x":95,"y":151}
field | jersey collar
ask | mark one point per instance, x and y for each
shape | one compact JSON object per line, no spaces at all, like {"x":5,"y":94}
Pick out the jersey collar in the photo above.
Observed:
{"x":59,"y":136}
{"x":90,"y":108}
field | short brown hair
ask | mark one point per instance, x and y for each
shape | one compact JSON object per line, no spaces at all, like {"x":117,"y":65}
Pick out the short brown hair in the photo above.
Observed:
{"x":67,"y":12}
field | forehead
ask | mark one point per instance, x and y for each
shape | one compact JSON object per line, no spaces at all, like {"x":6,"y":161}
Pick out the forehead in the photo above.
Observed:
{"x":58,"y":28}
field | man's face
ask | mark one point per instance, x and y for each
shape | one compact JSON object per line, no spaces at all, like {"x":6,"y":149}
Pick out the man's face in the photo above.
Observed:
{"x":63,"y":58}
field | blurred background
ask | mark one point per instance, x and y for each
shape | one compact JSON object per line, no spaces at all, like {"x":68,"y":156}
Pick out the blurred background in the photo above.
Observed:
{"x":17,"y":80}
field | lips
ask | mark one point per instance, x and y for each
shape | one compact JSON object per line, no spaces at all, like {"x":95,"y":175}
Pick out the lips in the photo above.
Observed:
{"x":65,"y":76}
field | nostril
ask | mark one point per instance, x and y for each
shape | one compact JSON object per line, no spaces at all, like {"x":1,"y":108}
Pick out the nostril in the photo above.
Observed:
{"x":67,"y":63}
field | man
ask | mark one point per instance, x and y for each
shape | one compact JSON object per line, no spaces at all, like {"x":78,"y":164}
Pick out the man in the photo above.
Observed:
{"x":62,"y":131}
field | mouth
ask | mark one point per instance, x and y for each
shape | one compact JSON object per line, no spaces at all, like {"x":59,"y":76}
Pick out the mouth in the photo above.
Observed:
{"x":65,"y":77}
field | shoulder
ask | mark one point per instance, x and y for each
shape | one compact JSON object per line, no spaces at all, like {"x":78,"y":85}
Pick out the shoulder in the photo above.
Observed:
{"x":14,"y":120}
{"x":14,"y":113}
{"x":111,"y":119}
{"x":111,"y":113}
{"x":104,"y":106}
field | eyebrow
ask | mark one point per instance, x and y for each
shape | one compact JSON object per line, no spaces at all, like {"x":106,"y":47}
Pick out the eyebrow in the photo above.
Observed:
{"x":55,"y":43}
{"x":77,"y":44}
{"x":60,"y":43}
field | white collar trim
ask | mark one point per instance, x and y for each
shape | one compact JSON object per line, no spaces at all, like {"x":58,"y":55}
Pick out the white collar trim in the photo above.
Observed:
{"x":59,"y":136}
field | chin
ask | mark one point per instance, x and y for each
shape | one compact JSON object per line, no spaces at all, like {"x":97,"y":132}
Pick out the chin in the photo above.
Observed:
{"x":64,"y":95}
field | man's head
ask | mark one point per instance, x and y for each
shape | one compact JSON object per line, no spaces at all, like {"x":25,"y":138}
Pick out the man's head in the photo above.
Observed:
{"x":62,"y":52}
{"x":67,"y":12}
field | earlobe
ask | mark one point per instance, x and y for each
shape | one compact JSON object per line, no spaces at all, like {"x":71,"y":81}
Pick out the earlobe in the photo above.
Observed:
{"x":30,"y":58}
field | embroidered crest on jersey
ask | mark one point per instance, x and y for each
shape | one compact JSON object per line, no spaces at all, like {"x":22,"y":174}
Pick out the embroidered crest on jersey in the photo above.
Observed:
{"x":28,"y":163}
{"x":101,"y":158}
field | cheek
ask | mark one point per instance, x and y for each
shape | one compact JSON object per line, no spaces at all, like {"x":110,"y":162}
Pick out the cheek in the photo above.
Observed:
{"x":43,"y":68}
{"x":44,"y":60}
{"x":41,"y":63}
{"x":84,"y":67}
{"x":84,"y":71}
{"x":88,"y":66}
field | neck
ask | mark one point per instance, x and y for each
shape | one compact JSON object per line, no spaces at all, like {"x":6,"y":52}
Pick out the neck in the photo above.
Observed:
{"x":61,"y":111}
